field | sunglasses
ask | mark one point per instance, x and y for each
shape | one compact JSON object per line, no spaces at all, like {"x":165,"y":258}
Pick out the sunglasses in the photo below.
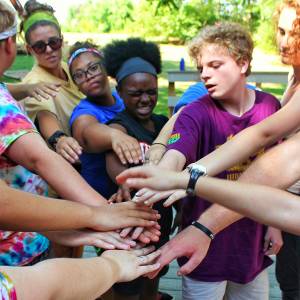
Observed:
{"x":94,"y":69}
{"x":40,"y":47}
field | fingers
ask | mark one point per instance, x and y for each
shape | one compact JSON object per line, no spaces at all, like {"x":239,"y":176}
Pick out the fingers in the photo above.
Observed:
{"x":143,"y":195}
{"x":273,"y":248}
{"x":155,"y":154}
{"x":175,"y":196}
{"x":125,"y":232}
{"x":166,"y":256}
{"x":114,"y":239}
{"x":192,"y":263}
{"x":143,"y":251}
{"x":127,"y":149}
{"x":136,"y":233}
{"x":136,"y":172}
{"x":148,"y":258}
{"x":159,"y":196}
{"x":147,"y":236}
{"x":69,"y":149}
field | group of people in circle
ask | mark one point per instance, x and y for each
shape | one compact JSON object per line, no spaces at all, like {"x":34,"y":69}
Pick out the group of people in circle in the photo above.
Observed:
{"x":79,"y":130}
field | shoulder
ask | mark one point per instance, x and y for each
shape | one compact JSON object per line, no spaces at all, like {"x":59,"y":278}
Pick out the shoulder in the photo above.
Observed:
{"x":36,"y":74}
{"x":198,"y":107}
{"x":193,"y":93}
{"x":84,"y":107}
{"x":266,"y":99}
{"x":120,"y":118}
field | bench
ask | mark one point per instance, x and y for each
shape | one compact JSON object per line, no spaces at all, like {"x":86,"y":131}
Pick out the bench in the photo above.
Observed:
{"x":257,"y":77}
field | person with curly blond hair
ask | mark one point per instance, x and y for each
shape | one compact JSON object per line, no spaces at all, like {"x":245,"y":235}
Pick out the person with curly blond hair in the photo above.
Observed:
{"x":234,"y":263}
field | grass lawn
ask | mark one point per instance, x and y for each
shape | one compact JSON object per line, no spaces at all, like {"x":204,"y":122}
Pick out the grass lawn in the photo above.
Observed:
{"x":25,"y":62}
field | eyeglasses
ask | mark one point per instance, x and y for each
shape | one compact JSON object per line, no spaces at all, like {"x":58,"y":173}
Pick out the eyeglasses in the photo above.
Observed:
{"x":94,"y":69}
{"x":40,"y":47}
{"x":139,"y":93}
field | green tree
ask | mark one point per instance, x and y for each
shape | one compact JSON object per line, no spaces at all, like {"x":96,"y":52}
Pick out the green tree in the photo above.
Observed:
{"x":100,"y":16}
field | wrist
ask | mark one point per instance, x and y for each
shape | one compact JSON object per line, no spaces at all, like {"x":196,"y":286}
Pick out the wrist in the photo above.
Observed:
{"x":209,"y":222}
{"x":182,"y":179}
{"x":113,"y":268}
{"x":204,"y":229}
{"x":53,"y":139}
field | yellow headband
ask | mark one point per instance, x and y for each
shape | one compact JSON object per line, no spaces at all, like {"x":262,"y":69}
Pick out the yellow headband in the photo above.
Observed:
{"x":37,"y":17}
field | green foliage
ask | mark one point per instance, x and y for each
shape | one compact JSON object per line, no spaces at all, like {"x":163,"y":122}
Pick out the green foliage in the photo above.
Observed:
{"x":100,"y":16}
{"x":265,"y":34}
{"x":172,"y":20}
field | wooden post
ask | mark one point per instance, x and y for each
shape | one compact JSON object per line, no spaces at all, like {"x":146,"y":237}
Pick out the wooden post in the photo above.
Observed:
{"x":171,"y":92}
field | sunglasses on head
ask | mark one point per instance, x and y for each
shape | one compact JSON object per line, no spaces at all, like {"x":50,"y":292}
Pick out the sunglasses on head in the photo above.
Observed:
{"x":40,"y":47}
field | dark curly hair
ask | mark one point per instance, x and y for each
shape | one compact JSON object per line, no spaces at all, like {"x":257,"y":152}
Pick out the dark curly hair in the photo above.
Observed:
{"x":118,"y":51}
{"x":32,"y":6}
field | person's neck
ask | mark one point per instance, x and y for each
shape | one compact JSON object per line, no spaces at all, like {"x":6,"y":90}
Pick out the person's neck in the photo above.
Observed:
{"x":105,"y":99}
{"x":296,"y":74}
{"x":241,"y":100}
{"x":57,"y":72}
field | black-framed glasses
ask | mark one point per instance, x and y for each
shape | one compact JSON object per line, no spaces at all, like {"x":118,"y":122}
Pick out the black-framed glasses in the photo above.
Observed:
{"x":139,"y":93}
{"x":94,"y":69}
{"x":40,"y":47}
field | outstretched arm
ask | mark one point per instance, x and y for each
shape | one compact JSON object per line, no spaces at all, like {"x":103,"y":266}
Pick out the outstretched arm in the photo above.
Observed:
{"x":86,"y":278}
{"x":252,"y":139}
{"x":249,"y":199}
{"x":38,"y":91}
{"x":159,"y":145}
{"x":36,"y":156}
{"x":96,"y":137}
{"x":36,"y":213}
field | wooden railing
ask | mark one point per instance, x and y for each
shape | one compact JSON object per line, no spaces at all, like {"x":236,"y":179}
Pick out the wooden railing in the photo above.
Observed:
{"x":257,"y":78}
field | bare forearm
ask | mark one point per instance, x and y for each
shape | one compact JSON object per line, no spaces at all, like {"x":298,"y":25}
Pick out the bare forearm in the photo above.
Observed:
{"x":166,"y":131}
{"x":97,"y":138}
{"x":173,"y":160}
{"x":113,"y":166}
{"x":85,"y":281}
{"x":65,"y":180}
{"x":18,"y":90}
{"x":254,"y":201}
{"x":232,"y":152}
{"x":48,"y":124}
{"x":39,"y":213}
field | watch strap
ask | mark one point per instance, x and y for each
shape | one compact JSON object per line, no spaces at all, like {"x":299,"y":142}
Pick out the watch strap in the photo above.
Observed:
{"x":204,"y":229}
{"x":194,"y":176}
{"x":52,"y":140}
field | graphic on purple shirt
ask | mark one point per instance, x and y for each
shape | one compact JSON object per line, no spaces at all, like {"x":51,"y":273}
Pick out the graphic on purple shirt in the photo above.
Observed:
{"x":236,"y":254}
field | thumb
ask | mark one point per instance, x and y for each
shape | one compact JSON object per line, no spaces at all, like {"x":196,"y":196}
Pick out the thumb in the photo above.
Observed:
{"x":267,"y":244}
{"x":192,"y":263}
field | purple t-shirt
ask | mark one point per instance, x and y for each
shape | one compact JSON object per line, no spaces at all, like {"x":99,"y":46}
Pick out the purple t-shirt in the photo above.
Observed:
{"x":236,"y":253}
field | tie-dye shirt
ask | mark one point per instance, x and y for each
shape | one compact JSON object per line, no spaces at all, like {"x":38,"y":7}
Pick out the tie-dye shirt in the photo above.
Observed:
{"x":7,"y":290}
{"x":17,"y":248}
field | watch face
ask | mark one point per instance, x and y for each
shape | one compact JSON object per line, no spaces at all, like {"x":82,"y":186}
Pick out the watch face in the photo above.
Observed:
{"x":198,"y":168}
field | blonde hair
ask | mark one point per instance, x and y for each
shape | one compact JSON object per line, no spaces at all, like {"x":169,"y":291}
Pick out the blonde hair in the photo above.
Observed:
{"x":7,"y":16}
{"x":231,"y":36}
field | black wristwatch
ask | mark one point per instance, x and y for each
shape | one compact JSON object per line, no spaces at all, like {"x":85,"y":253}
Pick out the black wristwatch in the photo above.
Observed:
{"x":53,"y":139}
{"x":195,"y":171}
